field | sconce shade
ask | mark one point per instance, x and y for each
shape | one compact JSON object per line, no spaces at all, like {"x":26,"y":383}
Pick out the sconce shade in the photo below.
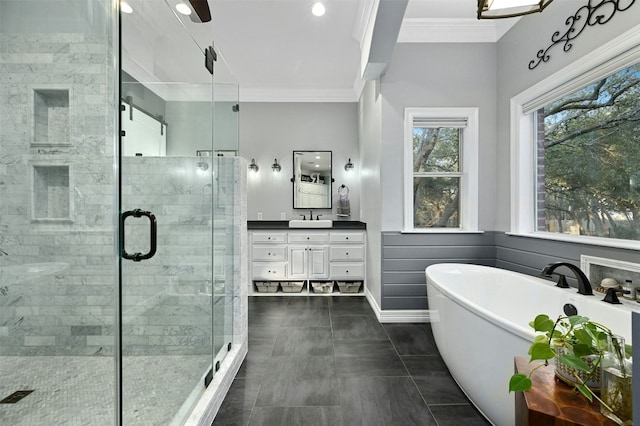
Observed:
{"x":253,"y":166}
{"x":349,"y":166}
{"x":497,"y":9}
{"x":275,"y":166}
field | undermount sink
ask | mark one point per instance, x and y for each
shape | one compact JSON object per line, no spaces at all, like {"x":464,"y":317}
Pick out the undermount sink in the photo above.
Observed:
{"x":298,"y":223}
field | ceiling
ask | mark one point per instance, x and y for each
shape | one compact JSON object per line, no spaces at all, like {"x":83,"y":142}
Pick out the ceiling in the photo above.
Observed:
{"x":278,"y":51}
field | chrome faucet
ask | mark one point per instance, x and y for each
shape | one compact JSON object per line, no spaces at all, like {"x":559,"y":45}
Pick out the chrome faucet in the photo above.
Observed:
{"x":584,"y":286}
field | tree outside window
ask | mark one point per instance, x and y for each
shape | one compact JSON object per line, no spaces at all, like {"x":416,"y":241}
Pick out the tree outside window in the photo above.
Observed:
{"x":436,"y":177}
{"x":588,"y":167}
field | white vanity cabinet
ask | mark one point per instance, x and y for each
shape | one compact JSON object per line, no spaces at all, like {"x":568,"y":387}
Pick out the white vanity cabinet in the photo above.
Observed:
{"x":304,"y":255}
{"x":269,"y":256}
{"x":347,"y":256}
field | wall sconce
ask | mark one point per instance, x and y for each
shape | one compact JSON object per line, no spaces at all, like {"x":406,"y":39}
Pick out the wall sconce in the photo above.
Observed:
{"x":253,"y":166}
{"x":349,"y":166}
{"x":275,"y":166}
{"x":496,"y":9}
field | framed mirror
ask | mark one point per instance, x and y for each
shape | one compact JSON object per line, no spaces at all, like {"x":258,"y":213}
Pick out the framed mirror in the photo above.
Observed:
{"x":312,"y":180}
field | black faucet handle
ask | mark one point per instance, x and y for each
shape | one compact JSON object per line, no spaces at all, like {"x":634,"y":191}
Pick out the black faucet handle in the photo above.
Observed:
{"x":303,"y":217}
{"x":612,"y":296}
{"x":562,"y":281}
{"x":318,"y":217}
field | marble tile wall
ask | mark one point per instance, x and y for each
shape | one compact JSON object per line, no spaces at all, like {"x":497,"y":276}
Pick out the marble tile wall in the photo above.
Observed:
{"x":66,"y":305}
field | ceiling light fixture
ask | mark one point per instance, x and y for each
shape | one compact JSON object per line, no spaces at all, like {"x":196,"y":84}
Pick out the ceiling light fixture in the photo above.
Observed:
{"x":496,"y":9}
{"x":318,"y":9}
{"x":125,"y":8}
{"x":183,"y":9}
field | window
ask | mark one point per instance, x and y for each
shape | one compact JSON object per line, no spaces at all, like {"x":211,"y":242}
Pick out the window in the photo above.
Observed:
{"x":588,"y":159}
{"x":441,"y":155}
{"x":576,"y":150}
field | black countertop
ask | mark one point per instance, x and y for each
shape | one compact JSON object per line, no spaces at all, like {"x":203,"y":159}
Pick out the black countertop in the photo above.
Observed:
{"x":284,"y":224}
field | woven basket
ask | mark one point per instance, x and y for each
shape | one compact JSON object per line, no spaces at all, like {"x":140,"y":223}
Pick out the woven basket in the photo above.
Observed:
{"x":567,"y":374}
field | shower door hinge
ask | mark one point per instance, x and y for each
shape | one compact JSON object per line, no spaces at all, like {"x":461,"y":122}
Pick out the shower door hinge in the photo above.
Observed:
{"x":210,"y":57}
{"x":208,"y":378}
{"x":235,"y":108}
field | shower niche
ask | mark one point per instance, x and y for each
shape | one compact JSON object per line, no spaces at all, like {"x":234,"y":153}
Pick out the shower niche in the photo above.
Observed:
{"x":51,"y":198}
{"x":51,"y":117}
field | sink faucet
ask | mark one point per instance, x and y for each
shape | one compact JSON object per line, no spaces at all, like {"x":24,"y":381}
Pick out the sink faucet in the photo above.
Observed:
{"x":310,"y":214}
{"x":584,"y":286}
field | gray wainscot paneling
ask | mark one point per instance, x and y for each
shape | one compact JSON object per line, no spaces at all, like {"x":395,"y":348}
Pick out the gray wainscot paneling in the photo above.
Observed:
{"x":405,"y":257}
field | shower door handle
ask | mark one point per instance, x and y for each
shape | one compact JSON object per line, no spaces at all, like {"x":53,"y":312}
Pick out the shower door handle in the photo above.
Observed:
{"x":137,"y":257}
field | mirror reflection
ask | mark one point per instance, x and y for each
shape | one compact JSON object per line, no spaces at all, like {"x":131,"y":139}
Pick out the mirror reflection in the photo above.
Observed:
{"x":312,"y":179}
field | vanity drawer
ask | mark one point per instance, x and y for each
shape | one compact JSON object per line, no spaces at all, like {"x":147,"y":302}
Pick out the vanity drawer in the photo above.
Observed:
{"x":347,"y":271}
{"x":269,"y":271}
{"x":340,"y":253}
{"x":347,"y":237}
{"x":269,"y":253}
{"x":269,"y":237}
{"x":305,"y":237}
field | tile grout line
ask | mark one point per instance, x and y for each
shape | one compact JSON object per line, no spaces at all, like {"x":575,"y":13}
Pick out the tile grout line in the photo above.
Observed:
{"x":410,"y":376}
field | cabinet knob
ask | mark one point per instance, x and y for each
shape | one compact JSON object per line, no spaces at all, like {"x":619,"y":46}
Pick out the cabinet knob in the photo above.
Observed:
{"x":347,"y":271}
{"x":308,"y":238}
{"x":346,"y":238}
{"x":347,"y":253}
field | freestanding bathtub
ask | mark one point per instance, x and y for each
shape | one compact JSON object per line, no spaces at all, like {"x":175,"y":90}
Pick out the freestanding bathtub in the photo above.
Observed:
{"x":480,"y":319}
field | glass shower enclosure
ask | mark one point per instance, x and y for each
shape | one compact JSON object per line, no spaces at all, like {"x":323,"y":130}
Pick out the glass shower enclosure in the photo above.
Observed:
{"x":116,"y":213}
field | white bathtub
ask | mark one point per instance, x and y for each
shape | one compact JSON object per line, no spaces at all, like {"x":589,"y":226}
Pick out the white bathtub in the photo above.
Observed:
{"x":480,"y":317}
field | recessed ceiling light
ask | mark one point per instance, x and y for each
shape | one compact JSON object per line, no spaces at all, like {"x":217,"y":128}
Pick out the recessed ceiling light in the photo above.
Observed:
{"x":318,"y":9}
{"x":183,"y":8}
{"x":125,"y":8}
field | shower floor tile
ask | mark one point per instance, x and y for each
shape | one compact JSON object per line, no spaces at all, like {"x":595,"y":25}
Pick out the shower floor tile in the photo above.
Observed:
{"x":80,"y":390}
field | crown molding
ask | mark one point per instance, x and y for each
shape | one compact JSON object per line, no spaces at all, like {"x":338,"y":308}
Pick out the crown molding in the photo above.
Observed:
{"x":365,"y":17}
{"x":453,"y":30}
{"x":293,"y":95}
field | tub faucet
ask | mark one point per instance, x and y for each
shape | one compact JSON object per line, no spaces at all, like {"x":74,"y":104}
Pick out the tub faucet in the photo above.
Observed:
{"x":584,"y":286}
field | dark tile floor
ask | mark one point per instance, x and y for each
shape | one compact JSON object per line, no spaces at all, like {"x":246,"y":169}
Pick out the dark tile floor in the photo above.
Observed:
{"x":327,"y":361}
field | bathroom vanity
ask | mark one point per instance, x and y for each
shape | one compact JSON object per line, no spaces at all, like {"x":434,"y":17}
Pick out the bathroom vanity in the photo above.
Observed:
{"x":307,"y":261}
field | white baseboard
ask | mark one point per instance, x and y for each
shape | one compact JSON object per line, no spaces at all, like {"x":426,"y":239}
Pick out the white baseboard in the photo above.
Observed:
{"x":396,"y":316}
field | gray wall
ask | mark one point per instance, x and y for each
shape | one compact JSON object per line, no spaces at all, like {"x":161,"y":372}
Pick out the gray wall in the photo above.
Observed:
{"x":275,"y":130}
{"x":437,"y":75}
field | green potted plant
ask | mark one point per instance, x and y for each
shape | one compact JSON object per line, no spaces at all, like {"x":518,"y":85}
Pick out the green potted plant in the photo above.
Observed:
{"x":579,"y":346}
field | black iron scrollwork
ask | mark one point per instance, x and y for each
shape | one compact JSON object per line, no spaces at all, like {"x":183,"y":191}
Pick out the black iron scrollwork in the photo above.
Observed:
{"x":588,"y":15}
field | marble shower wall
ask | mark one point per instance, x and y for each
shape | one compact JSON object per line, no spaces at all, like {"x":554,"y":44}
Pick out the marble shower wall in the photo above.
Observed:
{"x":56,"y":214}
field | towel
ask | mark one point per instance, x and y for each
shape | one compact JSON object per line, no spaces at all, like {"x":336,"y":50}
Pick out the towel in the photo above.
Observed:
{"x":344,"y":206}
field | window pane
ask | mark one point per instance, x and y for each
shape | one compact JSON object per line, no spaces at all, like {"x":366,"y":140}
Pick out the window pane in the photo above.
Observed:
{"x":589,"y":160}
{"x":436,"y":203}
{"x":436,"y":149}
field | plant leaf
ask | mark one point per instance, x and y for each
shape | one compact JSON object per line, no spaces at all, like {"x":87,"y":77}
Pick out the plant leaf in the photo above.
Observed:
{"x":577,"y":319}
{"x":543,"y":323}
{"x":583,"y":336}
{"x":574,"y":362}
{"x":582,"y":349}
{"x":519,"y":383}
{"x":541,"y":351}
{"x":585,"y":391}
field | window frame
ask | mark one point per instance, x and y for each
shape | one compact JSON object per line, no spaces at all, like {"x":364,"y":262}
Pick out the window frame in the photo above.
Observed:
{"x":610,"y":58}
{"x":468,"y":163}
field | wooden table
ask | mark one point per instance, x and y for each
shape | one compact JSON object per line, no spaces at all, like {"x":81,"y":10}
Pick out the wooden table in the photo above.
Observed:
{"x":551,"y":402}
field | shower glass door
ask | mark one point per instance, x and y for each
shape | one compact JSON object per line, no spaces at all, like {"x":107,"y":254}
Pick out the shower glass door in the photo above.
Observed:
{"x":57,"y":271}
{"x":167,"y":193}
